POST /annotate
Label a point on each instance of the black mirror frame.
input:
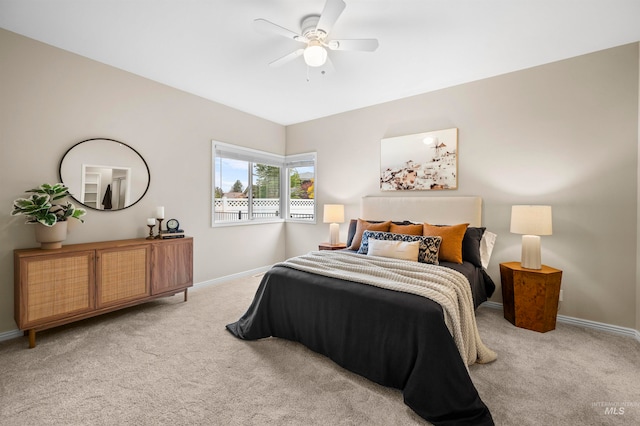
(121, 143)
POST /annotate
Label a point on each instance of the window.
(301, 174)
(253, 186)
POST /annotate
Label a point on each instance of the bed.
(383, 329)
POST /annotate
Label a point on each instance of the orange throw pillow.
(413, 229)
(362, 226)
(452, 236)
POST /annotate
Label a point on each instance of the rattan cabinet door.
(122, 275)
(172, 266)
(54, 287)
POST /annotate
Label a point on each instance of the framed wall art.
(420, 162)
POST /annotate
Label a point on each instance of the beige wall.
(564, 134)
(52, 99)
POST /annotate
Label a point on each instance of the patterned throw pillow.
(429, 246)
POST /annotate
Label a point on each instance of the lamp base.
(531, 258)
(334, 233)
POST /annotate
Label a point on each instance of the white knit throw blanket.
(443, 285)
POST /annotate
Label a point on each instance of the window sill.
(245, 223)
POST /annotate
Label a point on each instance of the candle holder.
(151, 237)
(159, 226)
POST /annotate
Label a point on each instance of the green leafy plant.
(41, 206)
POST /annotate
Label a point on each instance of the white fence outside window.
(237, 209)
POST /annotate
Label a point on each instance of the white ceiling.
(209, 48)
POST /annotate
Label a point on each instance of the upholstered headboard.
(434, 210)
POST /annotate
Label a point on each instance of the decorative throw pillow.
(410, 229)
(395, 249)
(451, 247)
(471, 245)
(353, 223)
(362, 226)
(427, 253)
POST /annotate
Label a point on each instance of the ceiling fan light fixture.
(314, 34)
(315, 55)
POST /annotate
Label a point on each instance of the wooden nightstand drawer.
(530, 296)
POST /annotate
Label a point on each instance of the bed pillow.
(471, 245)
(404, 250)
(486, 248)
(407, 229)
(362, 226)
(452, 236)
(353, 223)
(429, 246)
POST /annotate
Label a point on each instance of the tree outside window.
(248, 186)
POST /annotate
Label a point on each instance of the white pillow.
(486, 247)
(395, 249)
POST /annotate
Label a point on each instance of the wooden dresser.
(55, 287)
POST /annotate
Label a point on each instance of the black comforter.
(392, 338)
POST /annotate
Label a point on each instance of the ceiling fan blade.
(363, 45)
(287, 58)
(264, 26)
(330, 14)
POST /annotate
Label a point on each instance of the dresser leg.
(185, 294)
(32, 338)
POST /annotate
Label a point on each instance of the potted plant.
(50, 217)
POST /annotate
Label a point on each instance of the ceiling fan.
(314, 33)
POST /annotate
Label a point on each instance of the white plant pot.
(51, 237)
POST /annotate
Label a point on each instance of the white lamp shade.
(315, 55)
(333, 213)
(531, 220)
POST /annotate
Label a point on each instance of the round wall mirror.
(104, 174)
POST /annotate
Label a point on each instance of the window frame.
(254, 156)
(291, 161)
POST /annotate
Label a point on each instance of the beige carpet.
(173, 363)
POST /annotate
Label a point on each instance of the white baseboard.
(614, 329)
(12, 334)
(226, 278)
(608, 328)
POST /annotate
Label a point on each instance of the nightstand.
(327, 246)
(530, 296)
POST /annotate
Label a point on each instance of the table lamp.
(531, 222)
(333, 214)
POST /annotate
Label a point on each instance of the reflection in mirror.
(104, 174)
